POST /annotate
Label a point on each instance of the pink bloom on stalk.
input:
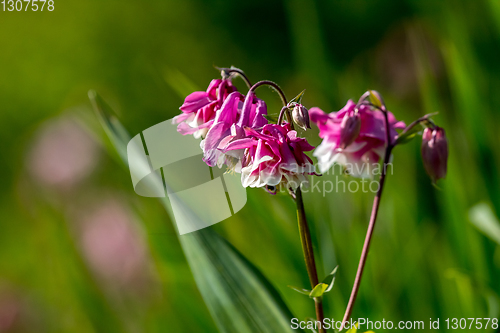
(199, 108)
(367, 148)
(273, 154)
(236, 113)
(112, 245)
(63, 154)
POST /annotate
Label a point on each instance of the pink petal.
(240, 144)
(195, 101)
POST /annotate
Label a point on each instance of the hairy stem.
(238, 72)
(282, 113)
(305, 239)
(371, 225)
(274, 86)
(285, 109)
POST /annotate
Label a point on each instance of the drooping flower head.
(368, 146)
(273, 155)
(435, 152)
(236, 113)
(200, 107)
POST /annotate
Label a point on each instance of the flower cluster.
(237, 134)
(274, 154)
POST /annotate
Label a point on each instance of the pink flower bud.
(349, 129)
(435, 152)
(300, 116)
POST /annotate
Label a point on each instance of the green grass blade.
(239, 298)
(483, 218)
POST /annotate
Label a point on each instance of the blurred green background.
(80, 252)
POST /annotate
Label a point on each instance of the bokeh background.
(80, 252)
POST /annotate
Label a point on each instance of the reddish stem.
(371, 225)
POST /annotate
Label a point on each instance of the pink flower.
(435, 152)
(366, 149)
(273, 155)
(63, 154)
(236, 113)
(199, 108)
(112, 245)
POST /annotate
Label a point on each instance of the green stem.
(305, 239)
(305, 235)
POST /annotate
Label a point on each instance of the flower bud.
(300, 116)
(349, 129)
(435, 152)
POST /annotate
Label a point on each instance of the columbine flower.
(366, 149)
(300, 116)
(435, 152)
(273, 155)
(199, 108)
(236, 113)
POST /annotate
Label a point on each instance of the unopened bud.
(300, 116)
(349, 129)
(376, 99)
(435, 152)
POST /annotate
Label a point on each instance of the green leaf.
(238, 296)
(354, 329)
(300, 290)
(330, 279)
(318, 290)
(116, 133)
(298, 99)
(272, 118)
(483, 218)
(406, 137)
(321, 288)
